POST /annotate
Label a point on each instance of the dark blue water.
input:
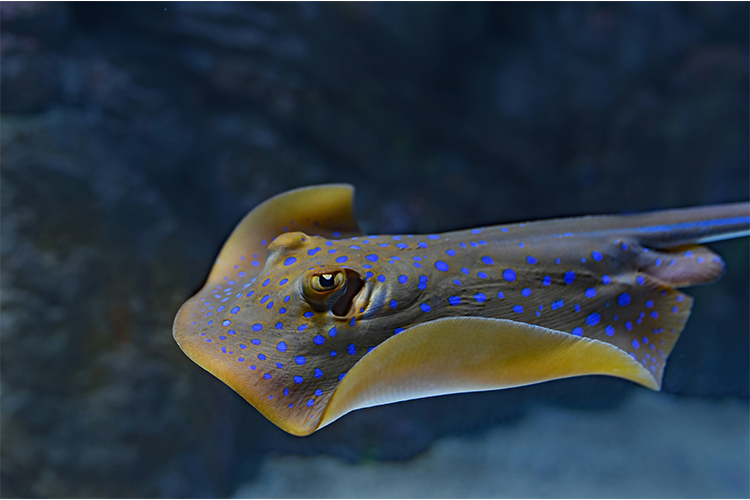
(134, 136)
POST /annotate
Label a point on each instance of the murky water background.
(134, 136)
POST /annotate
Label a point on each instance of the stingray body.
(307, 319)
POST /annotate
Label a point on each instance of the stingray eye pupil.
(326, 280)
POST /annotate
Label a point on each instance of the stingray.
(308, 319)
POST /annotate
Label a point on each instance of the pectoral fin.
(454, 355)
(325, 210)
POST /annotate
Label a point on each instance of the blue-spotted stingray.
(307, 319)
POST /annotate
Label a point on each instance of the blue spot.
(557, 304)
(521, 245)
(341, 377)
(370, 274)
(456, 282)
(286, 391)
(352, 322)
(266, 282)
(596, 255)
(450, 253)
(425, 307)
(300, 360)
(226, 322)
(628, 325)
(281, 346)
(308, 314)
(298, 379)
(509, 275)
(623, 299)
(569, 277)
(480, 297)
(282, 310)
(465, 270)
(310, 402)
(290, 260)
(231, 332)
(333, 250)
(381, 278)
(482, 275)
(577, 331)
(640, 280)
(318, 374)
(393, 304)
(257, 327)
(526, 292)
(433, 236)
(500, 295)
(403, 279)
(283, 282)
(397, 331)
(609, 330)
(590, 292)
(302, 328)
(351, 349)
(531, 260)
(636, 344)
(654, 314)
(262, 357)
(333, 353)
(606, 280)
(341, 259)
(518, 309)
(372, 257)
(546, 281)
(441, 266)
(332, 332)
(454, 300)
(319, 392)
(255, 341)
(476, 231)
(266, 376)
(488, 260)
(624, 246)
(402, 246)
(593, 319)
(319, 340)
(396, 237)
(265, 298)
(422, 244)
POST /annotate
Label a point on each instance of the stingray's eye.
(331, 288)
(323, 286)
(327, 282)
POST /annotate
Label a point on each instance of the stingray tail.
(692, 226)
(671, 239)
